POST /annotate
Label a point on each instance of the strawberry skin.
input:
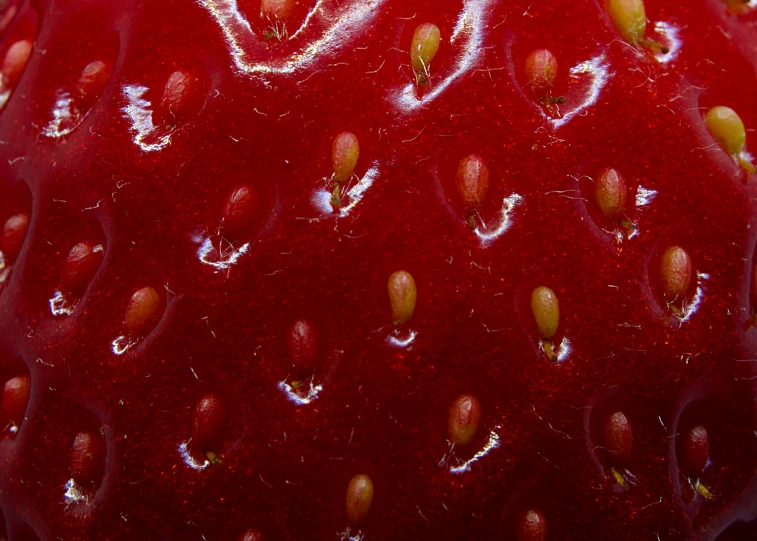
(378, 269)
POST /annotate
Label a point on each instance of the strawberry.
(375, 269)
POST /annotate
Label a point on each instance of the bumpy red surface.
(149, 182)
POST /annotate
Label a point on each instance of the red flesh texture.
(382, 409)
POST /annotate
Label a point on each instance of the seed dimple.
(87, 458)
(402, 295)
(15, 399)
(630, 18)
(541, 69)
(546, 311)
(141, 311)
(302, 344)
(344, 155)
(726, 126)
(532, 526)
(617, 438)
(464, 419)
(472, 180)
(208, 422)
(81, 265)
(675, 271)
(276, 9)
(180, 96)
(239, 211)
(92, 82)
(14, 233)
(423, 49)
(359, 498)
(695, 450)
(611, 192)
(15, 60)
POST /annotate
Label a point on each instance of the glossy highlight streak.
(485, 235)
(300, 399)
(670, 33)
(243, 42)
(223, 260)
(139, 113)
(63, 121)
(186, 457)
(491, 444)
(599, 73)
(322, 198)
(692, 307)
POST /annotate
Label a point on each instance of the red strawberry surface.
(378, 269)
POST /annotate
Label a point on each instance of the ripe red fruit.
(378, 269)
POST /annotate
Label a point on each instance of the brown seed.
(532, 526)
(541, 69)
(402, 295)
(611, 192)
(15, 60)
(345, 152)
(142, 311)
(359, 498)
(695, 450)
(464, 419)
(423, 49)
(92, 82)
(81, 265)
(472, 180)
(617, 438)
(87, 458)
(15, 399)
(546, 311)
(14, 233)
(675, 271)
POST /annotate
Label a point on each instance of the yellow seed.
(402, 295)
(359, 498)
(611, 192)
(344, 155)
(546, 311)
(675, 271)
(424, 47)
(726, 126)
(629, 18)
